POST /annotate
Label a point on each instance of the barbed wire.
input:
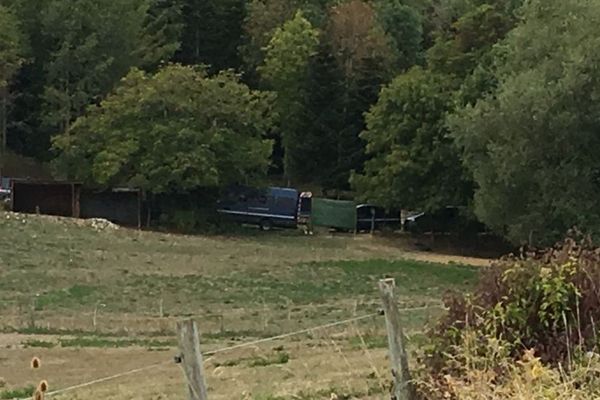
(291, 334)
(209, 353)
(230, 348)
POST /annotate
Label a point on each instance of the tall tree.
(404, 26)
(413, 162)
(365, 59)
(533, 144)
(460, 46)
(25, 134)
(79, 51)
(262, 18)
(161, 33)
(93, 46)
(11, 58)
(212, 33)
(173, 131)
(286, 69)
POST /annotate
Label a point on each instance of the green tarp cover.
(333, 213)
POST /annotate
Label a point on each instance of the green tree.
(173, 131)
(212, 33)
(11, 58)
(286, 70)
(458, 48)
(365, 61)
(93, 45)
(413, 162)
(161, 33)
(263, 17)
(404, 25)
(79, 50)
(532, 146)
(25, 134)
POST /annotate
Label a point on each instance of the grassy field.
(92, 302)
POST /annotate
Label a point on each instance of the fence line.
(105, 379)
(231, 348)
(220, 315)
(210, 353)
(290, 334)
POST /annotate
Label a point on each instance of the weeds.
(496, 376)
(371, 342)
(257, 361)
(279, 358)
(19, 393)
(100, 342)
(38, 343)
(527, 332)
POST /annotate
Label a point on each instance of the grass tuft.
(19, 393)
(38, 343)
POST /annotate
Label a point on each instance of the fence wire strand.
(225, 349)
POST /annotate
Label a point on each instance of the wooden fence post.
(191, 359)
(403, 387)
(372, 221)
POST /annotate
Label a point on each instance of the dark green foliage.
(288, 56)
(212, 33)
(12, 50)
(404, 25)
(78, 50)
(532, 145)
(414, 164)
(162, 32)
(11, 46)
(312, 159)
(458, 51)
(102, 37)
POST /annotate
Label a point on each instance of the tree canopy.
(413, 164)
(12, 51)
(11, 46)
(489, 105)
(288, 56)
(532, 144)
(175, 130)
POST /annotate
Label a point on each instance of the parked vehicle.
(267, 208)
(447, 220)
(370, 217)
(5, 191)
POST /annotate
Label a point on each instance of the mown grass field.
(95, 302)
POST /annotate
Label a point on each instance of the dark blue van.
(267, 208)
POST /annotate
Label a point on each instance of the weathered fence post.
(191, 359)
(372, 221)
(403, 387)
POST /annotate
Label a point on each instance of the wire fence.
(326, 339)
(210, 353)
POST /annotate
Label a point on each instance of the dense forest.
(416, 104)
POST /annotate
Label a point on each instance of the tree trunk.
(3, 125)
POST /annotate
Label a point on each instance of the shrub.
(496, 377)
(547, 301)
